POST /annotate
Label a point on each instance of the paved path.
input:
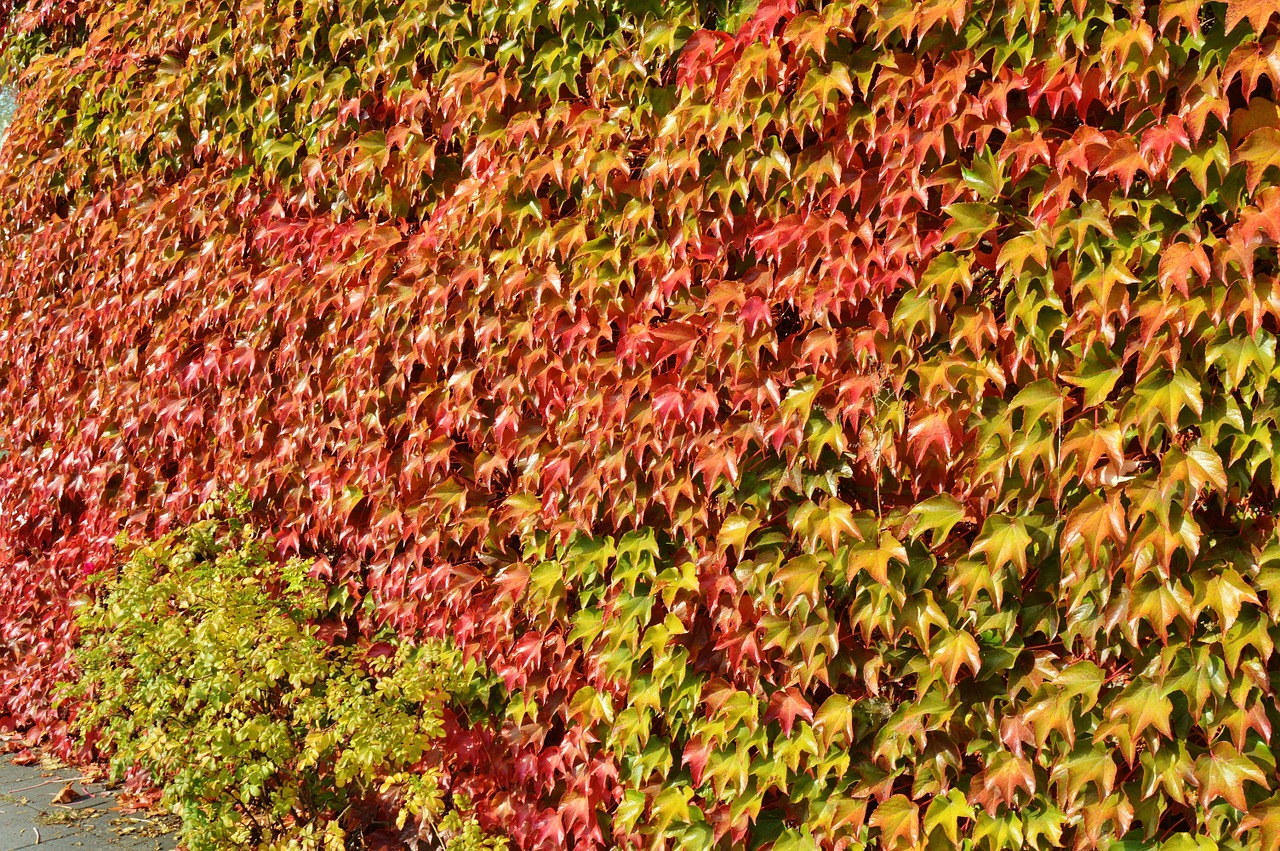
(30, 820)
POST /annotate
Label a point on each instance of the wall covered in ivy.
(839, 425)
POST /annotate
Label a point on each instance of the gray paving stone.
(30, 820)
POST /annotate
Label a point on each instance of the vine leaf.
(1256, 12)
(1223, 773)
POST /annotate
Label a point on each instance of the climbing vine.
(839, 424)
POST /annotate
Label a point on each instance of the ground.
(29, 818)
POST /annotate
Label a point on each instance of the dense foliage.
(207, 665)
(843, 424)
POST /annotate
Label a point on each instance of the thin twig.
(47, 782)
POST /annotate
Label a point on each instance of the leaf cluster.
(203, 663)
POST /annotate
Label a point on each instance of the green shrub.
(201, 662)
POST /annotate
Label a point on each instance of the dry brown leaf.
(67, 794)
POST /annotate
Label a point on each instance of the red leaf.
(784, 706)
(754, 312)
(25, 757)
(696, 753)
(1178, 261)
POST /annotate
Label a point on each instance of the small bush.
(201, 662)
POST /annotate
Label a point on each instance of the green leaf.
(938, 515)
(1237, 353)
(899, 822)
(1015, 253)
(875, 560)
(802, 578)
(1197, 466)
(832, 523)
(956, 650)
(1004, 540)
(735, 530)
(1081, 679)
(1259, 152)
(998, 832)
(986, 176)
(948, 271)
(1096, 374)
(834, 717)
(915, 310)
(671, 805)
(1224, 593)
(1163, 397)
(1039, 399)
(1143, 704)
(1093, 523)
(945, 812)
(1223, 773)
(799, 400)
(970, 221)
(1083, 766)
(1264, 818)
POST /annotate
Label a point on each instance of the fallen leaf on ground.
(25, 757)
(67, 816)
(67, 794)
(132, 802)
